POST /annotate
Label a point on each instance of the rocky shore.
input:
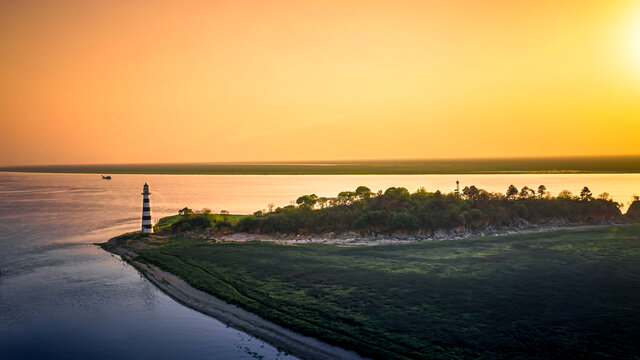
(375, 239)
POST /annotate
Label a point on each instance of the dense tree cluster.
(189, 220)
(397, 210)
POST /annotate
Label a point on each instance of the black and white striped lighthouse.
(146, 210)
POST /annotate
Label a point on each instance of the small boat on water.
(108, 177)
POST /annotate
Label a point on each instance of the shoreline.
(296, 344)
(319, 173)
(293, 343)
(617, 164)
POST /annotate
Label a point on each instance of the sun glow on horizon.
(627, 46)
(636, 39)
(140, 82)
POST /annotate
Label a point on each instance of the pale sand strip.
(298, 345)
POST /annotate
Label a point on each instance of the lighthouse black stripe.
(147, 228)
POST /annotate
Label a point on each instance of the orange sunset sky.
(189, 81)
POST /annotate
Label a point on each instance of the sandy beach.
(296, 344)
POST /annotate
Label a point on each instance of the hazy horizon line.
(326, 161)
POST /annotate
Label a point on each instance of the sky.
(228, 81)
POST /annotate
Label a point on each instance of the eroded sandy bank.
(353, 239)
(298, 345)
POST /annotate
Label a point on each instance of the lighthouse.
(146, 210)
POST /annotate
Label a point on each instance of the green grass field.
(568, 294)
(612, 164)
(170, 220)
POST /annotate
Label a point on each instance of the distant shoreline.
(564, 165)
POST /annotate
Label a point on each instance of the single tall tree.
(471, 192)
(512, 192)
(542, 190)
(346, 197)
(307, 201)
(363, 192)
(585, 194)
(525, 192)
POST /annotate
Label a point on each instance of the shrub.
(404, 221)
(192, 222)
(223, 225)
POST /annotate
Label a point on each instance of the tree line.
(398, 210)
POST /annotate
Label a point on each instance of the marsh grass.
(566, 294)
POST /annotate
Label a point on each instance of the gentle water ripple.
(62, 297)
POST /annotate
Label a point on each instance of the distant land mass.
(562, 165)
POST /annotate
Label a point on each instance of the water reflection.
(62, 297)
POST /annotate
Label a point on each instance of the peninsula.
(565, 282)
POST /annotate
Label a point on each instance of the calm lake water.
(62, 297)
